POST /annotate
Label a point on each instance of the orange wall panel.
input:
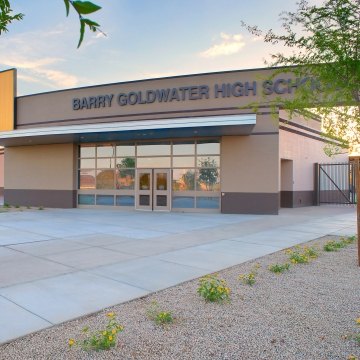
(7, 99)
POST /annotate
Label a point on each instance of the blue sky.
(145, 39)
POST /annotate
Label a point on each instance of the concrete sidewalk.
(56, 265)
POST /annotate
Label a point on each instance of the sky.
(145, 39)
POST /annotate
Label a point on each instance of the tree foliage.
(189, 180)
(208, 173)
(82, 8)
(325, 45)
(7, 16)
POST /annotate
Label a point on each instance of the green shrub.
(213, 289)
(333, 245)
(159, 316)
(357, 338)
(311, 252)
(297, 257)
(302, 255)
(279, 268)
(250, 278)
(349, 240)
(100, 339)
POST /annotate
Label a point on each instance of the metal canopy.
(132, 130)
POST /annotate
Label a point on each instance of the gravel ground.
(307, 313)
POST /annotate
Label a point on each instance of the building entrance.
(153, 190)
(168, 175)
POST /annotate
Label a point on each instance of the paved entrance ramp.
(56, 265)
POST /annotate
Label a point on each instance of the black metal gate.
(335, 183)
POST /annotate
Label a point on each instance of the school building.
(183, 143)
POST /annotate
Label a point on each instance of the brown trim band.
(140, 114)
(307, 135)
(249, 203)
(291, 123)
(47, 198)
(264, 112)
(293, 199)
(266, 133)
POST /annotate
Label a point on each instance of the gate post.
(316, 185)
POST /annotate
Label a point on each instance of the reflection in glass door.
(153, 189)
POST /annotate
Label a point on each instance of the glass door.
(144, 189)
(161, 189)
(153, 189)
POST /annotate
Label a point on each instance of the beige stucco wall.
(304, 152)
(247, 160)
(56, 108)
(41, 167)
(250, 164)
(298, 119)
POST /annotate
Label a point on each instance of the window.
(109, 172)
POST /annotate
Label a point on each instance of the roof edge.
(159, 78)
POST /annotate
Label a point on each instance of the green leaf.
(82, 32)
(67, 5)
(85, 7)
(93, 26)
(91, 23)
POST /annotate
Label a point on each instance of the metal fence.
(335, 183)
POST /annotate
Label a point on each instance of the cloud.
(257, 38)
(40, 71)
(28, 78)
(58, 78)
(152, 75)
(26, 52)
(19, 61)
(49, 78)
(91, 40)
(100, 35)
(229, 45)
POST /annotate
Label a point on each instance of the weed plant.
(333, 245)
(160, 317)
(279, 268)
(302, 255)
(250, 278)
(213, 289)
(101, 339)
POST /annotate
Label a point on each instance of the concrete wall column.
(41, 175)
(250, 171)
